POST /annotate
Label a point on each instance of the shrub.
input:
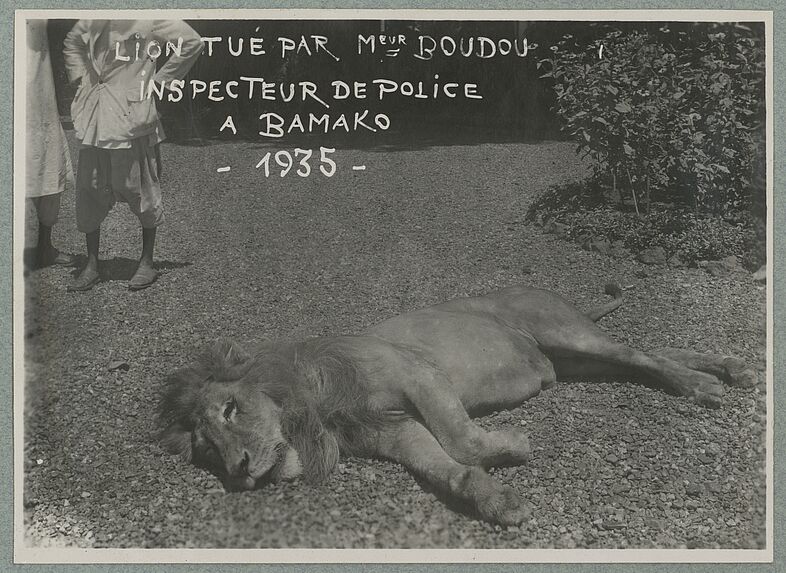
(669, 115)
(679, 231)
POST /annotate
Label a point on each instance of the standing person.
(119, 128)
(47, 161)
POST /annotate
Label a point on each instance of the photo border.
(588, 556)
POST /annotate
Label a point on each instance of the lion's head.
(276, 413)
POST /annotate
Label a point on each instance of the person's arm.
(177, 66)
(75, 51)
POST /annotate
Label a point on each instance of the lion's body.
(404, 390)
(504, 368)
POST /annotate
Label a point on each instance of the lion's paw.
(706, 390)
(504, 507)
(738, 373)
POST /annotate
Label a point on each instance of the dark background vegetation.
(673, 120)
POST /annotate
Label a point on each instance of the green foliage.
(582, 208)
(669, 115)
(559, 200)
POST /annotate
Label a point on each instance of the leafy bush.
(669, 115)
(560, 200)
(679, 231)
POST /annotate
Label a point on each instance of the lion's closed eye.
(230, 409)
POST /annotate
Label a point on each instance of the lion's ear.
(234, 354)
(176, 439)
(227, 358)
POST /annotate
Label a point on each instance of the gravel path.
(615, 465)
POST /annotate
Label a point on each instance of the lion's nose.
(245, 462)
(241, 467)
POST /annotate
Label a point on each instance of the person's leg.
(89, 275)
(46, 253)
(145, 274)
(47, 208)
(136, 173)
(94, 200)
(92, 241)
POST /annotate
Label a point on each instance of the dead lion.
(405, 389)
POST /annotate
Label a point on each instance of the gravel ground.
(614, 465)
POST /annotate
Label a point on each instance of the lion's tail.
(612, 289)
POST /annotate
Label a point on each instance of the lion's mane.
(325, 407)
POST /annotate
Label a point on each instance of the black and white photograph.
(418, 286)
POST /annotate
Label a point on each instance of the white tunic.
(48, 162)
(110, 108)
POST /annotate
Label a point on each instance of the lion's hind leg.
(409, 443)
(589, 350)
(732, 370)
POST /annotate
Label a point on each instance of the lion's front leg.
(447, 419)
(412, 445)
